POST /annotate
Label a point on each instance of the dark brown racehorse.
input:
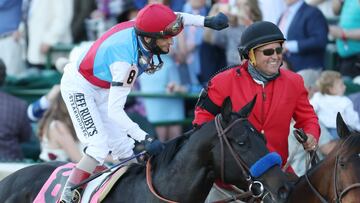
(184, 172)
(337, 177)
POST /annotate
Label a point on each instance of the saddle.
(95, 191)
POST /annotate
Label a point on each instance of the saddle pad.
(96, 190)
(51, 190)
(100, 193)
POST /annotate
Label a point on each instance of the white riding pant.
(88, 108)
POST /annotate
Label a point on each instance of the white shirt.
(327, 107)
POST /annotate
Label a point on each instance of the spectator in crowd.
(10, 39)
(325, 7)
(49, 23)
(187, 52)
(331, 100)
(305, 29)
(95, 88)
(167, 80)
(272, 9)
(15, 126)
(298, 157)
(242, 14)
(128, 11)
(281, 94)
(347, 35)
(57, 134)
(36, 109)
(82, 11)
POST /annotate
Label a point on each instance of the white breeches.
(88, 108)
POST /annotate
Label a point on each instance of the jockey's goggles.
(171, 30)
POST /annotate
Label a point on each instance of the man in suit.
(15, 126)
(305, 29)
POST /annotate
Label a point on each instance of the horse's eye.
(342, 164)
(241, 143)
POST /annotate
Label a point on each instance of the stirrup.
(71, 196)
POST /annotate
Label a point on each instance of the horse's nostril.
(283, 192)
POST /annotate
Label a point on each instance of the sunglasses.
(270, 52)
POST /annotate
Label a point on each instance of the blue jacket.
(310, 29)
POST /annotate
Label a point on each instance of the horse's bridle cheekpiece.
(256, 188)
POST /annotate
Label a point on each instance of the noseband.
(242, 165)
(338, 194)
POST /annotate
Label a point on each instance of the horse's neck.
(321, 176)
(189, 172)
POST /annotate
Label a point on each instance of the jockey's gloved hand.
(152, 145)
(218, 22)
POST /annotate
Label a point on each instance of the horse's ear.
(342, 129)
(246, 110)
(226, 109)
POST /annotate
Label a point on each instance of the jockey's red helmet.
(158, 21)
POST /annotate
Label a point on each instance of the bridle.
(253, 185)
(338, 194)
(256, 188)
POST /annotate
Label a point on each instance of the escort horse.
(337, 177)
(227, 148)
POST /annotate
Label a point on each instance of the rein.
(338, 197)
(222, 136)
(150, 185)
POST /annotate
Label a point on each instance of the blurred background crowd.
(38, 37)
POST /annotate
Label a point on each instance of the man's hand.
(152, 145)
(307, 140)
(311, 143)
(218, 22)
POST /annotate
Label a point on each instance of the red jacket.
(277, 103)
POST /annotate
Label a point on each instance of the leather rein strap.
(222, 136)
(150, 185)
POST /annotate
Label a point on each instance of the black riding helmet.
(256, 35)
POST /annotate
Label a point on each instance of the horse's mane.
(171, 148)
(165, 157)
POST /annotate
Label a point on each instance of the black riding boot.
(76, 176)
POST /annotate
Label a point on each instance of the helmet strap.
(153, 68)
(151, 45)
(252, 58)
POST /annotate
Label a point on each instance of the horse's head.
(347, 164)
(242, 156)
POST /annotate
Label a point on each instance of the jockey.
(281, 95)
(95, 87)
